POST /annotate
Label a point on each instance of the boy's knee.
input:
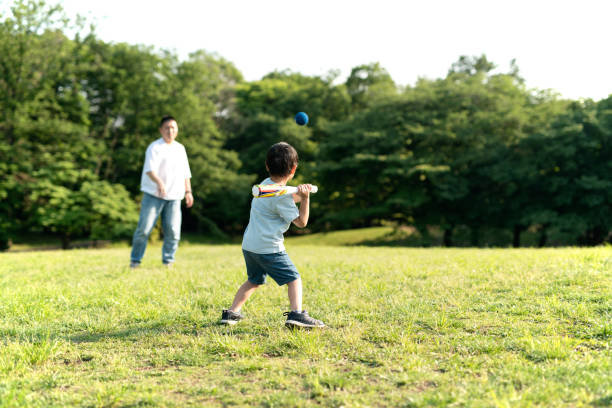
(253, 285)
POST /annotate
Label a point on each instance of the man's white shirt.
(169, 162)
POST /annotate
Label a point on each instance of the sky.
(561, 45)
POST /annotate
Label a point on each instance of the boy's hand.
(304, 190)
(303, 195)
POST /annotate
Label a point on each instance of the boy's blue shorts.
(277, 265)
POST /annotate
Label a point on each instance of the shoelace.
(303, 312)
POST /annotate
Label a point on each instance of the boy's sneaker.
(229, 317)
(299, 320)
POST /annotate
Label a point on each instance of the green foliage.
(72, 203)
(113, 213)
(128, 88)
(571, 180)
(453, 152)
(473, 151)
(202, 97)
(264, 114)
(369, 84)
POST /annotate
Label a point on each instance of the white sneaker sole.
(230, 322)
(294, 323)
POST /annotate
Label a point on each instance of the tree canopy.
(473, 151)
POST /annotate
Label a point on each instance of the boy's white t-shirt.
(169, 162)
(270, 218)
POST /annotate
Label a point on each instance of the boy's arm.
(304, 196)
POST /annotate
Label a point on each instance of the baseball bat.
(274, 190)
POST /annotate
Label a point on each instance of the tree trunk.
(5, 243)
(593, 236)
(65, 242)
(474, 235)
(448, 237)
(516, 236)
(543, 238)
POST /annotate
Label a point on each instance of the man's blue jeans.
(150, 208)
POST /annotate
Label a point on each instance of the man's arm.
(161, 188)
(304, 196)
(188, 193)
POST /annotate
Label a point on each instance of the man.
(166, 179)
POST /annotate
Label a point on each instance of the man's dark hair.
(280, 159)
(166, 118)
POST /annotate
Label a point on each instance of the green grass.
(407, 327)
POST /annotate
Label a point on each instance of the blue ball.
(301, 118)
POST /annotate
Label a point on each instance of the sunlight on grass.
(406, 327)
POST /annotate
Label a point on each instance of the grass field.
(407, 328)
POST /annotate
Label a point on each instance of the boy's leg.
(280, 268)
(242, 295)
(255, 274)
(298, 318)
(232, 315)
(150, 208)
(171, 226)
(294, 290)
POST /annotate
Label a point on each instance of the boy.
(262, 243)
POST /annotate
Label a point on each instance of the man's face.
(169, 130)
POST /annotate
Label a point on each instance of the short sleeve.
(287, 208)
(186, 170)
(150, 160)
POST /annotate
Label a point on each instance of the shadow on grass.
(134, 332)
(404, 237)
(434, 236)
(125, 333)
(603, 402)
(50, 243)
(190, 329)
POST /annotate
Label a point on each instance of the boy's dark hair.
(280, 159)
(166, 118)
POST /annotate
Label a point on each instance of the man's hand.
(161, 189)
(188, 199)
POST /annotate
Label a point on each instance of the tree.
(202, 91)
(129, 89)
(427, 157)
(570, 185)
(42, 110)
(71, 203)
(368, 84)
(264, 112)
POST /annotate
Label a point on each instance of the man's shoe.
(229, 317)
(134, 265)
(299, 320)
